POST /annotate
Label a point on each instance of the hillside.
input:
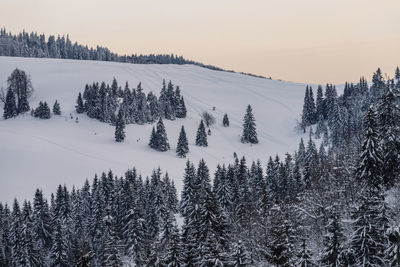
(44, 153)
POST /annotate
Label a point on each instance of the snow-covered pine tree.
(120, 127)
(239, 257)
(388, 117)
(153, 139)
(249, 128)
(280, 244)
(319, 105)
(80, 107)
(368, 240)
(201, 136)
(112, 247)
(370, 166)
(181, 108)
(174, 256)
(333, 240)
(161, 137)
(188, 196)
(225, 120)
(56, 108)
(182, 147)
(10, 106)
(305, 256)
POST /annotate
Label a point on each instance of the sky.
(310, 41)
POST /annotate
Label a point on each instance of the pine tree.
(370, 166)
(319, 112)
(333, 240)
(182, 148)
(281, 238)
(249, 128)
(305, 256)
(389, 116)
(112, 248)
(174, 257)
(10, 107)
(56, 108)
(371, 222)
(161, 137)
(80, 107)
(189, 195)
(201, 136)
(181, 109)
(153, 139)
(120, 127)
(225, 120)
(240, 257)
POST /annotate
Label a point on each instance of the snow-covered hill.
(44, 153)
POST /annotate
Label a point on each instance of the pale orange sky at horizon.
(310, 41)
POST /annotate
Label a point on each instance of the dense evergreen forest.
(38, 45)
(333, 202)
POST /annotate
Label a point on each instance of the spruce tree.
(174, 256)
(182, 148)
(305, 256)
(120, 127)
(368, 240)
(249, 128)
(333, 240)
(56, 108)
(153, 139)
(80, 107)
(225, 120)
(10, 107)
(161, 137)
(201, 136)
(370, 166)
(281, 237)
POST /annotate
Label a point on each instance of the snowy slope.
(44, 153)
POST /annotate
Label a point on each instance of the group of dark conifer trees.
(105, 103)
(33, 45)
(19, 89)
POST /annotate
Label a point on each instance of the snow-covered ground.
(44, 153)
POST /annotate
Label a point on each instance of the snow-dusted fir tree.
(388, 117)
(120, 127)
(161, 137)
(201, 136)
(181, 108)
(225, 120)
(56, 108)
(304, 257)
(80, 107)
(280, 244)
(249, 128)
(153, 139)
(333, 240)
(10, 106)
(182, 147)
(239, 257)
(370, 166)
(369, 240)
(174, 256)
